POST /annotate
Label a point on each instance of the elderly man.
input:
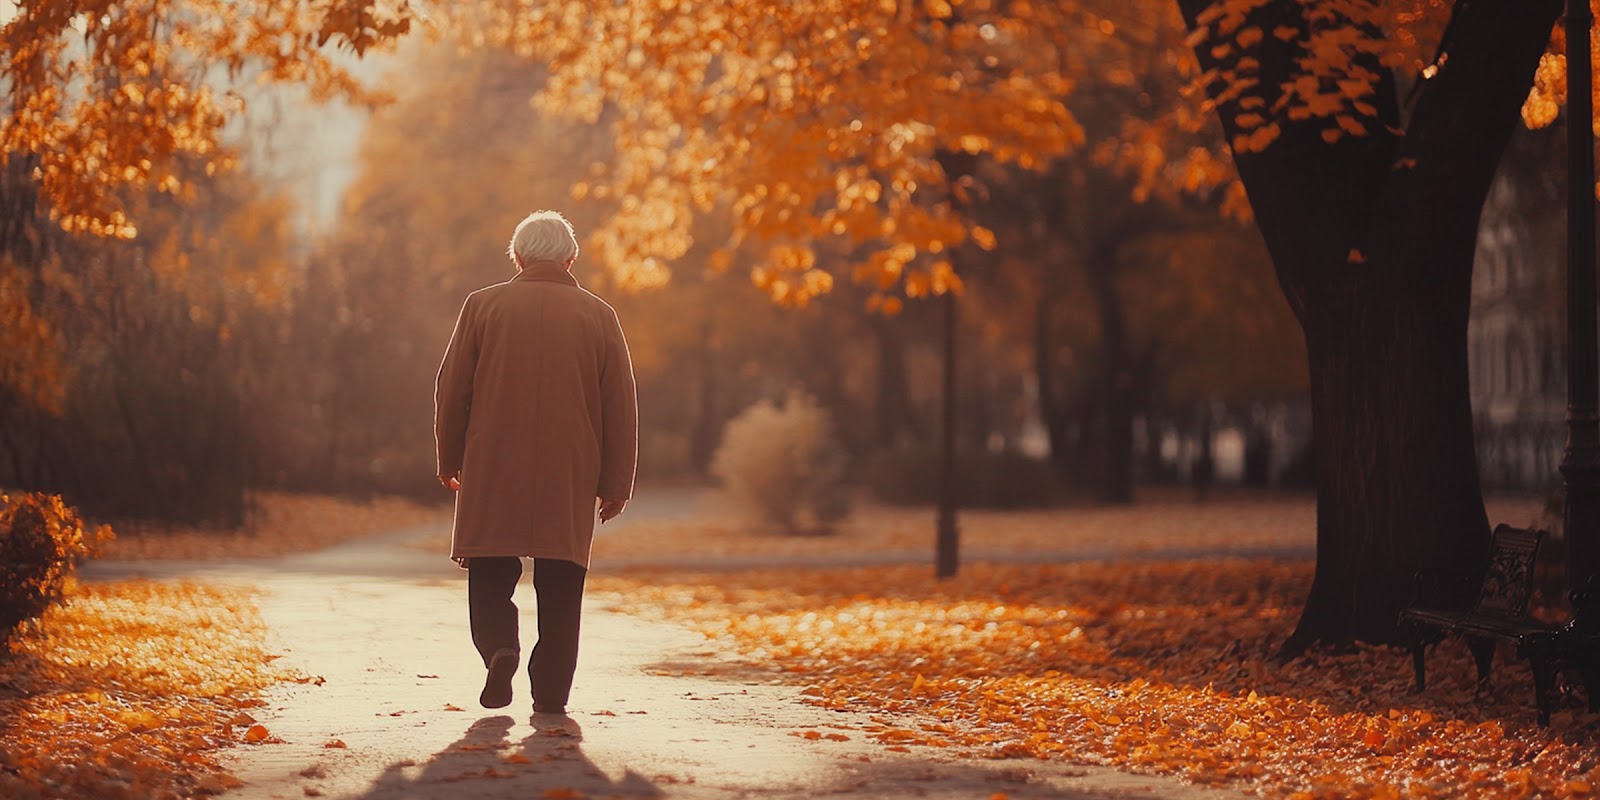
(537, 426)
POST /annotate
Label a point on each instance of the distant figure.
(537, 426)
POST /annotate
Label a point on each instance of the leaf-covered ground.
(280, 523)
(1163, 520)
(1156, 666)
(128, 691)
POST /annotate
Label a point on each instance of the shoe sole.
(497, 686)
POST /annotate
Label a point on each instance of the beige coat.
(535, 405)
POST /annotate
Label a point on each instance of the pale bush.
(783, 462)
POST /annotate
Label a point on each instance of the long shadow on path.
(484, 762)
(380, 629)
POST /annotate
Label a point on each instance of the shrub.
(983, 479)
(42, 541)
(784, 462)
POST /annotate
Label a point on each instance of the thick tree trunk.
(1397, 486)
(1372, 239)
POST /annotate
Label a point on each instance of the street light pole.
(948, 547)
(1580, 461)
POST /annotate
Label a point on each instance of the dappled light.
(1191, 343)
(1156, 666)
(130, 690)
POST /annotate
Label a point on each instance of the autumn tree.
(815, 126)
(1367, 187)
(443, 174)
(818, 120)
(151, 419)
(825, 133)
(113, 152)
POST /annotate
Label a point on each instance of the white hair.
(543, 236)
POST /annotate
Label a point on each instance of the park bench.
(1488, 607)
(1576, 644)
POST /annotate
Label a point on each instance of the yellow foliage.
(1549, 91)
(129, 691)
(110, 94)
(818, 123)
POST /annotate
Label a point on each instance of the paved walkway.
(392, 712)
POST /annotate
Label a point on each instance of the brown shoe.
(497, 684)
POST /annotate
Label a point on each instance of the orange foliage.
(1162, 667)
(104, 94)
(818, 125)
(128, 692)
(31, 358)
(280, 523)
(42, 541)
(1334, 91)
(1335, 87)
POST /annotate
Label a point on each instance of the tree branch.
(1310, 198)
(1462, 121)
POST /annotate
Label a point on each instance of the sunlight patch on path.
(395, 716)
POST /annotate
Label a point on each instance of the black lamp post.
(947, 549)
(1580, 461)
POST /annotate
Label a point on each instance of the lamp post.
(959, 168)
(1580, 461)
(947, 549)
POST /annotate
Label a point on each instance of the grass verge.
(282, 523)
(129, 690)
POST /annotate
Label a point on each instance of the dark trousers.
(558, 593)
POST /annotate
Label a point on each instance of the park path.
(389, 709)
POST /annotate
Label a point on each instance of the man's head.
(543, 236)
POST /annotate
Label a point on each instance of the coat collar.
(548, 271)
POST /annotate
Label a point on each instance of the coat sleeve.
(619, 417)
(452, 391)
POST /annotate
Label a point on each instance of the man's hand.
(451, 480)
(610, 508)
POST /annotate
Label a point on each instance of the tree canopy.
(109, 95)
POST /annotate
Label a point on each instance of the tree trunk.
(1052, 408)
(1372, 238)
(1114, 473)
(707, 429)
(1388, 373)
(894, 411)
